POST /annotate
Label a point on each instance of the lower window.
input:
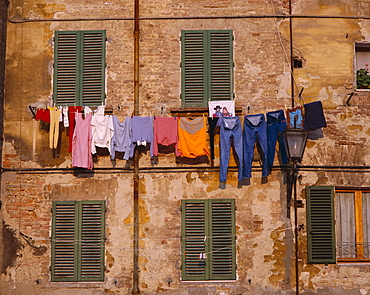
(352, 224)
(78, 241)
(208, 240)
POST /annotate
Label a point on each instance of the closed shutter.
(223, 240)
(64, 250)
(193, 242)
(66, 68)
(193, 68)
(78, 241)
(79, 68)
(321, 224)
(221, 65)
(92, 240)
(207, 67)
(208, 240)
(93, 66)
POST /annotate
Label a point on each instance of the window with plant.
(363, 77)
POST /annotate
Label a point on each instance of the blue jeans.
(230, 128)
(276, 125)
(254, 131)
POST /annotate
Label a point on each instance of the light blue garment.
(230, 129)
(122, 138)
(142, 131)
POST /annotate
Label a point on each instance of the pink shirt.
(165, 133)
(81, 142)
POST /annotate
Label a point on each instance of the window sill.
(199, 110)
(210, 282)
(357, 261)
(363, 89)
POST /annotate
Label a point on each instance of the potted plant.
(363, 78)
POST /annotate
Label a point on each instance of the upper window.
(362, 65)
(79, 68)
(346, 239)
(207, 67)
(78, 241)
(208, 240)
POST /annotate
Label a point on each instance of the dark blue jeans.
(230, 129)
(276, 125)
(254, 131)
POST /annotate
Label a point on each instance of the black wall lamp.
(295, 140)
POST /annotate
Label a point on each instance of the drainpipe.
(135, 288)
(294, 164)
(291, 53)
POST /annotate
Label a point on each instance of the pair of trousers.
(230, 130)
(254, 131)
(276, 125)
(54, 128)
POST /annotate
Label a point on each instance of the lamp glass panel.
(295, 141)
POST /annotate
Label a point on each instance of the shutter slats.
(79, 68)
(78, 241)
(206, 66)
(208, 226)
(91, 241)
(63, 241)
(194, 243)
(93, 69)
(221, 65)
(193, 68)
(222, 241)
(320, 223)
(65, 68)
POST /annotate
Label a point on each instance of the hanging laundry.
(230, 131)
(72, 113)
(122, 138)
(101, 130)
(43, 115)
(276, 125)
(65, 117)
(81, 143)
(224, 108)
(165, 133)
(314, 116)
(212, 123)
(192, 137)
(254, 131)
(142, 131)
(54, 127)
(295, 117)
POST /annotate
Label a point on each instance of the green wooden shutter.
(207, 67)
(208, 226)
(194, 216)
(320, 224)
(66, 68)
(79, 68)
(221, 65)
(193, 68)
(92, 241)
(78, 241)
(63, 266)
(93, 68)
(223, 239)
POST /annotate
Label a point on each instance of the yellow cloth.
(192, 137)
(54, 128)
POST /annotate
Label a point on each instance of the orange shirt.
(192, 137)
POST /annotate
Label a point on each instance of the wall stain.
(278, 269)
(11, 246)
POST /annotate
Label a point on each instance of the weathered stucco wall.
(265, 236)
